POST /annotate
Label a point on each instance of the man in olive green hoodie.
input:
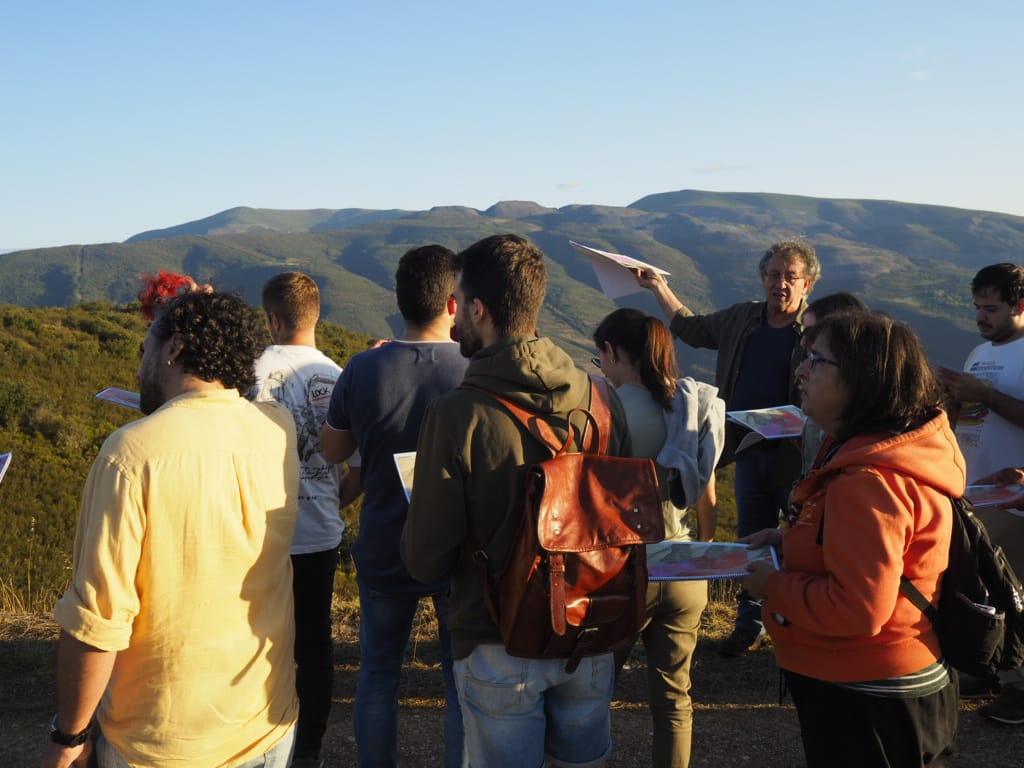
(469, 494)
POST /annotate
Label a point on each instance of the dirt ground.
(738, 720)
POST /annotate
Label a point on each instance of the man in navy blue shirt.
(377, 407)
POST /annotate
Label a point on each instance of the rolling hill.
(913, 261)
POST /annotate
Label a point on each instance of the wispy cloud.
(911, 54)
(920, 74)
(719, 168)
(570, 185)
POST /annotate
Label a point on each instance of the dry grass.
(738, 721)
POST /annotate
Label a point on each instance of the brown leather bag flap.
(590, 502)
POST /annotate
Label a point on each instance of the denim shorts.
(519, 712)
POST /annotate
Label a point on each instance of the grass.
(738, 719)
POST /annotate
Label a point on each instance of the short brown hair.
(883, 365)
(295, 298)
(507, 273)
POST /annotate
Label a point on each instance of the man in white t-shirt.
(988, 397)
(295, 373)
(987, 410)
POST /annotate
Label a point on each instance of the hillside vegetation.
(913, 261)
(54, 361)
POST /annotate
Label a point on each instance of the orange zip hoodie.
(877, 510)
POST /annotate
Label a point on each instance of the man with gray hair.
(758, 345)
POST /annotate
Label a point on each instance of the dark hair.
(424, 281)
(295, 298)
(646, 341)
(790, 249)
(221, 336)
(841, 301)
(507, 273)
(1006, 278)
(883, 365)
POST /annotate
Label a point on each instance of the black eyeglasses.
(596, 361)
(814, 358)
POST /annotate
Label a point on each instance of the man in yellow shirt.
(177, 629)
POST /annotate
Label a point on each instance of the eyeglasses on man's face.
(596, 361)
(789, 278)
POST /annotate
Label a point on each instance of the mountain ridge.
(913, 261)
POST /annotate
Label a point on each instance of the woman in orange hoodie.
(862, 663)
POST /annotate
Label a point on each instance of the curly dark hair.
(221, 333)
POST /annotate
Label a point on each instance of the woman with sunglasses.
(862, 663)
(680, 423)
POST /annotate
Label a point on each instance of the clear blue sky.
(119, 117)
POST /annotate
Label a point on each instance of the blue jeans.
(519, 712)
(760, 502)
(384, 627)
(313, 585)
(279, 756)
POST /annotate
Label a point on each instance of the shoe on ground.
(739, 642)
(1008, 708)
(975, 687)
(307, 762)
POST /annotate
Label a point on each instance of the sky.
(118, 117)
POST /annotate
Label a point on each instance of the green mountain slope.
(56, 360)
(914, 261)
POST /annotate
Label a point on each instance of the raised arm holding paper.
(758, 351)
(616, 273)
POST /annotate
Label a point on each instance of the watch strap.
(57, 736)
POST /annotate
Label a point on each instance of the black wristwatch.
(58, 736)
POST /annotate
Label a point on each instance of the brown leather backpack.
(575, 583)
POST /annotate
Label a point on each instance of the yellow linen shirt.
(181, 565)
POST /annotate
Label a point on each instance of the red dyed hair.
(163, 286)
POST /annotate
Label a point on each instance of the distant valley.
(912, 261)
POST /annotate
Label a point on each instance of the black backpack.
(981, 601)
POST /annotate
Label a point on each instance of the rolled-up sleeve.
(102, 602)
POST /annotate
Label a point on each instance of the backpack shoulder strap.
(532, 422)
(914, 595)
(601, 414)
(593, 441)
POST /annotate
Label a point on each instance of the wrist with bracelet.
(58, 736)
